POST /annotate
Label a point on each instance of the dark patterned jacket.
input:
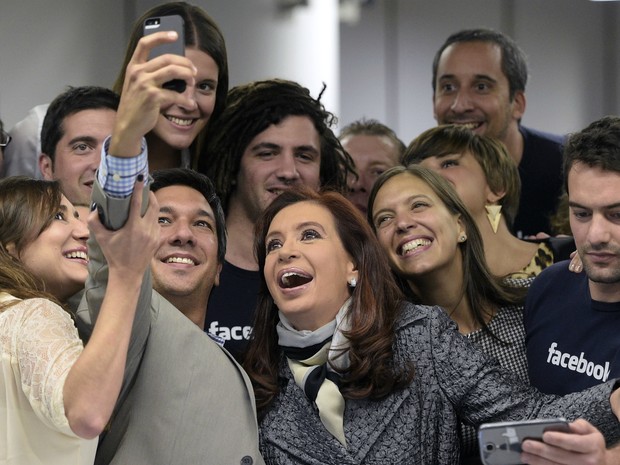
(418, 425)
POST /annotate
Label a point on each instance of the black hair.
(73, 100)
(201, 183)
(514, 64)
(596, 145)
(251, 109)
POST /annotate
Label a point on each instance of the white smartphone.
(500, 443)
(167, 23)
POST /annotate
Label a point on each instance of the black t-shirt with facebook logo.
(230, 312)
(572, 341)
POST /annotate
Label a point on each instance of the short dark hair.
(251, 109)
(514, 64)
(598, 145)
(500, 170)
(372, 127)
(73, 100)
(201, 183)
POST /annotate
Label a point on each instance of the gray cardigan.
(418, 425)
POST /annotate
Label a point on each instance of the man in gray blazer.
(184, 399)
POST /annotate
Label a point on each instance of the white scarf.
(312, 357)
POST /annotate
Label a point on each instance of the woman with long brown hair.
(436, 253)
(57, 395)
(177, 136)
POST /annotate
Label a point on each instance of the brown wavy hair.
(375, 305)
(482, 290)
(27, 207)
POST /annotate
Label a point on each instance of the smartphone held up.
(168, 23)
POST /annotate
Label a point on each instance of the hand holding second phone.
(583, 445)
(143, 96)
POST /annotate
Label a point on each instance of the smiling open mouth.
(183, 260)
(413, 245)
(470, 126)
(290, 280)
(277, 190)
(180, 121)
(77, 256)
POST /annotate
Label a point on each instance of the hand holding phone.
(168, 23)
(500, 443)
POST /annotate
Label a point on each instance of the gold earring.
(494, 214)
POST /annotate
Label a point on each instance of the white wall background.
(46, 45)
(379, 67)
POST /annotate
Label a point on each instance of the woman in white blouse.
(56, 396)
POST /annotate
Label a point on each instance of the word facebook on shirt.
(237, 333)
(579, 364)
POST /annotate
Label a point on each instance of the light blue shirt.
(117, 175)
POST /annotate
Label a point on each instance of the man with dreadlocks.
(272, 135)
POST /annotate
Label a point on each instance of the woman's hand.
(143, 96)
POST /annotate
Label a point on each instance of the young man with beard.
(572, 319)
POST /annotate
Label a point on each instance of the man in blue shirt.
(572, 320)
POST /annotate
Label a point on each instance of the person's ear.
(216, 281)
(518, 105)
(494, 197)
(11, 250)
(462, 230)
(352, 274)
(46, 166)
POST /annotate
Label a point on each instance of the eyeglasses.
(4, 138)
